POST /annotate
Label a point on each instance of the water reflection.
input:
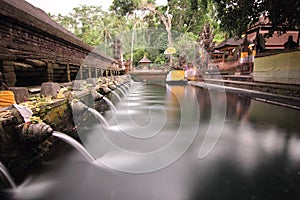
(253, 165)
(253, 158)
(256, 157)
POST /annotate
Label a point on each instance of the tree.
(236, 15)
(127, 7)
(92, 25)
(283, 15)
(190, 15)
(123, 7)
(110, 25)
(166, 18)
(84, 22)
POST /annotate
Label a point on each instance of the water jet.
(6, 174)
(75, 144)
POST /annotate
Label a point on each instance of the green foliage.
(283, 15)
(92, 25)
(236, 15)
(123, 7)
(190, 15)
(99, 28)
(149, 42)
(127, 7)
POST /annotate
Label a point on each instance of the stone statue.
(182, 60)
(117, 52)
(204, 47)
(3, 86)
(206, 38)
(290, 44)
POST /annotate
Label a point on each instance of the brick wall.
(35, 49)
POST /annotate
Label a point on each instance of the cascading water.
(123, 88)
(116, 94)
(75, 144)
(6, 174)
(123, 93)
(128, 87)
(111, 105)
(98, 116)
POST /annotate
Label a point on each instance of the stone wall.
(17, 150)
(35, 49)
(279, 68)
(149, 77)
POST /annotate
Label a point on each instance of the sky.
(65, 6)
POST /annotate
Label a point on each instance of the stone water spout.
(104, 89)
(44, 129)
(112, 86)
(35, 132)
(78, 107)
(97, 96)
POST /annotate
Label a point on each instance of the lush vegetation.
(236, 15)
(141, 27)
(147, 29)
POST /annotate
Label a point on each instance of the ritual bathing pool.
(175, 143)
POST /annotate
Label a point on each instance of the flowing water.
(111, 105)
(122, 92)
(75, 144)
(99, 116)
(117, 96)
(124, 89)
(5, 173)
(179, 143)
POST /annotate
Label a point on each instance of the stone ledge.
(283, 100)
(280, 89)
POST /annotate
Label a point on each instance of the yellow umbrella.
(170, 50)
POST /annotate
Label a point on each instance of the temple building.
(276, 41)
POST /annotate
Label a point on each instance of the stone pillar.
(50, 89)
(80, 73)
(8, 73)
(101, 72)
(68, 73)
(96, 72)
(21, 93)
(50, 67)
(89, 71)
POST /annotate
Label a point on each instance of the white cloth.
(25, 112)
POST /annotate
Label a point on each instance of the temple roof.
(145, 60)
(230, 42)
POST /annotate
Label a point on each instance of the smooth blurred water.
(257, 155)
